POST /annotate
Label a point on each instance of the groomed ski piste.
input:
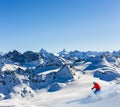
(76, 93)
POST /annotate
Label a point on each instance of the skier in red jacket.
(96, 87)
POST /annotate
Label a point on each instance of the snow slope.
(11, 67)
(73, 94)
(45, 80)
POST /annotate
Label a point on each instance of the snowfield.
(64, 80)
(75, 93)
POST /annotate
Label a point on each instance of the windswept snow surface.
(73, 94)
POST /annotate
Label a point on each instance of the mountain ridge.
(43, 69)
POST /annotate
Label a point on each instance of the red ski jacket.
(96, 86)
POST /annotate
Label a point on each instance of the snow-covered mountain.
(23, 74)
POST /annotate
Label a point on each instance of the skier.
(96, 87)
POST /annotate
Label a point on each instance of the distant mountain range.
(38, 70)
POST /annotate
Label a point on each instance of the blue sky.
(58, 24)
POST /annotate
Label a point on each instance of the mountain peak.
(43, 51)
